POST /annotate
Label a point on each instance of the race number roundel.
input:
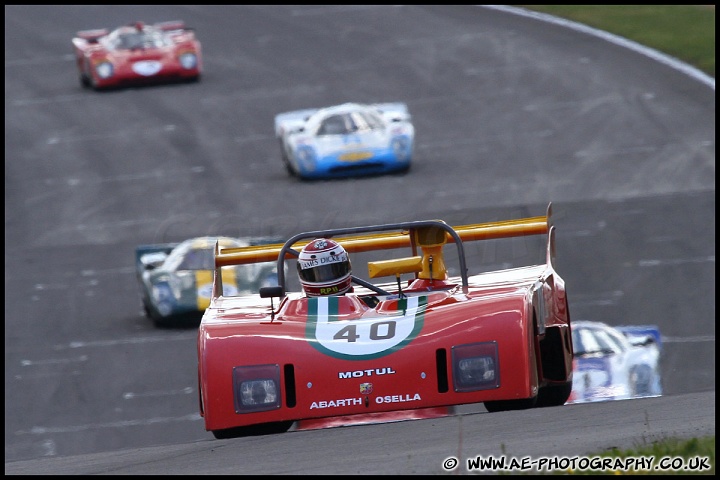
(366, 338)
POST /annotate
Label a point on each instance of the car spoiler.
(393, 112)
(640, 331)
(149, 254)
(291, 120)
(428, 235)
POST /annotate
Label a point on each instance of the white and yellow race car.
(176, 278)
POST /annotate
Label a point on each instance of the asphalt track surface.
(512, 111)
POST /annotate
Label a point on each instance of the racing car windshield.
(324, 273)
(139, 40)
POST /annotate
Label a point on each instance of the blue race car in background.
(346, 140)
(176, 278)
(615, 363)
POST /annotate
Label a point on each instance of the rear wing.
(429, 236)
(393, 112)
(152, 255)
(640, 334)
(288, 121)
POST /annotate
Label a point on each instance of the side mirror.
(269, 292)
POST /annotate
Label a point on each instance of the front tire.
(286, 161)
(84, 81)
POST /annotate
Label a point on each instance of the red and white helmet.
(324, 268)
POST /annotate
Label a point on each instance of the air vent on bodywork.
(290, 397)
(441, 368)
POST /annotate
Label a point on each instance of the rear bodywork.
(427, 343)
(346, 140)
(137, 54)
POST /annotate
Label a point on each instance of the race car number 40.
(366, 338)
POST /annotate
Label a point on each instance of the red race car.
(403, 348)
(137, 54)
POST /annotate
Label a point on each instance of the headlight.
(161, 292)
(475, 367)
(256, 388)
(306, 158)
(188, 61)
(104, 69)
(162, 298)
(401, 147)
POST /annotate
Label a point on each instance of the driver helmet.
(324, 268)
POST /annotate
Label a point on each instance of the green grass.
(686, 32)
(688, 452)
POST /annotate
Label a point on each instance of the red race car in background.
(137, 54)
(391, 350)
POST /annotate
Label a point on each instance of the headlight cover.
(104, 70)
(401, 147)
(256, 388)
(306, 158)
(188, 60)
(160, 292)
(475, 367)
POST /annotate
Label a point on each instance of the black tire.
(84, 81)
(146, 309)
(504, 405)
(641, 380)
(286, 161)
(87, 80)
(158, 321)
(554, 395)
(161, 322)
(253, 430)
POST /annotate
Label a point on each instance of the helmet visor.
(324, 273)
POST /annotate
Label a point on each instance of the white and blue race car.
(615, 363)
(346, 140)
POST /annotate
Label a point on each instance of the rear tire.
(554, 395)
(253, 430)
(503, 405)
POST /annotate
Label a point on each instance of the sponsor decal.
(320, 244)
(329, 290)
(398, 398)
(323, 261)
(364, 338)
(366, 388)
(355, 156)
(366, 373)
(351, 402)
(342, 402)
